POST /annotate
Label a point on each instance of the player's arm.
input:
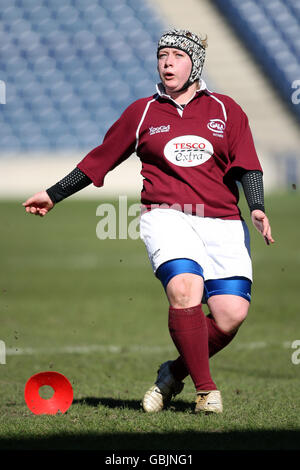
(245, 164)
(118, 144)
(41, 203)
(252, 183)
(262, 224)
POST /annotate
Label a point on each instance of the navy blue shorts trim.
(171, 268)
(236, 285)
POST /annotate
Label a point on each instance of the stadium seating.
(271, 32)
(71, 68)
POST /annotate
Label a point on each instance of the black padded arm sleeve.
(70, 184)
(252, 183)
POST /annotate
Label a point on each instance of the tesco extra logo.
(216, 125)
(188, 150)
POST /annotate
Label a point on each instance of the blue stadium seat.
(10, 13)
(294, 7)
(72, 67)
(271, 31)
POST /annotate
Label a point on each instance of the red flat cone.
(60, 401)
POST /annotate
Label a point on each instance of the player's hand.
(262, 224)
(39, 204)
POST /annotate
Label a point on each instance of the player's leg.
(228, 301)
(227, 246)
(170, 241)
(183, 283)
(188, 330)
(174, 248)
(228, 312)
(227, 249)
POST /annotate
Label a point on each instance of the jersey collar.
(162, 92)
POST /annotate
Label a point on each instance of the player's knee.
(229, 311)
(236, 315)
(185, 290)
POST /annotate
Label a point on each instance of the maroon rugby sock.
(217, 340)
(188, 330)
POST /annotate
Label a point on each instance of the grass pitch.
(92, 310)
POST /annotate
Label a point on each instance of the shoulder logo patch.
(158, 130)
(217, 126)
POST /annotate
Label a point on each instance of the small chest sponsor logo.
(158, 130)
(188, 150)
(217, 126)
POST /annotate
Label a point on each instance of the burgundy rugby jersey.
(186, 153)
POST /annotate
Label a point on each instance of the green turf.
(61, 287)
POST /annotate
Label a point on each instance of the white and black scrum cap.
(188, 42)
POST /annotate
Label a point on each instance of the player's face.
(174, 68)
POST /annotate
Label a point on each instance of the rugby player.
(194, 145)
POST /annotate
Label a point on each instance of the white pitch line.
(252, 345)
(111, 349)
(117, 349)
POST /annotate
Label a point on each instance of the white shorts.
(220, 247)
